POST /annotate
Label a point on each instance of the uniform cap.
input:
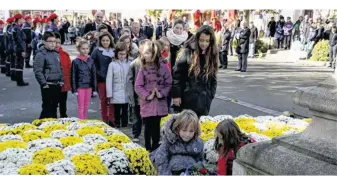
(52, 16)
(28, 17)
(18, 16)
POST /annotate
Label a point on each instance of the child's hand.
(151, 96)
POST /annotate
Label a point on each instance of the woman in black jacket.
(194, 75)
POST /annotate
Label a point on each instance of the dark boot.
(224, 67)
(19, 79)
(3, 70)
(13, 77)
(28, 65)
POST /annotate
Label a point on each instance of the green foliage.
(321, 51)
(261, 46)
(154, 13)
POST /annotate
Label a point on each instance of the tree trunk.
(246, 14)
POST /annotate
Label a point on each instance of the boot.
(28, 66)
(19, 79)
(3, 70)
(8, 71)
(13, 77)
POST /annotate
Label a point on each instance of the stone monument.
(312, 152)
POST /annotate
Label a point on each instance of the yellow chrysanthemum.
(33, 135)
(38, 122)
(8, 132)
(247, 124)
(87, 164)
(48, 155)
(12, 144)
(118, 140)
(164, 119)
(70, 140)
(90, 130)
(33, 169)
(307, 120)
(89, 120)
(51, 128)
(22, 128)
(103, 146)
(140, 163)
(275, 129)
(207, 130)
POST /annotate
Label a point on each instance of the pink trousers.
(83, 100)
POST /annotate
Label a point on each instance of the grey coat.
(131, 79)
(174, 154)
(47, 67)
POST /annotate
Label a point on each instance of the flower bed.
(260, 128)
(69, 147)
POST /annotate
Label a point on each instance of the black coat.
(225, 38)
(92, 27)
(83, 75)
(243, 42)
(102, 64)
(195, 92)
(272, 28)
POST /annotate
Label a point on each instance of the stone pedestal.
(312, 152)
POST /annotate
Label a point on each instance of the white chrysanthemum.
(211, 156)
(20, 124)
(220, 118)
(6, 170)
(75, 126)
(61, 167)
(15, 157)
(93, 123)
(290, 132)
(80, 148)
(115, 160)
(93, 139)
(10, 137)
(258, 137)
(131, 145)
(29, 131)
(57, 134)
(109, 131)
(205, 118)
(45, 124)
(36, 145)
(67, 120)
(261, 126)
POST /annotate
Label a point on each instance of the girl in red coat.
(229, 139)
(66, 68)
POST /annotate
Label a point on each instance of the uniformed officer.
(54, 22)
(37, 35)
(27, 29)
(3, 48)
(10, 49)
(20, 49)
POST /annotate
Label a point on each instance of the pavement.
(266, 89)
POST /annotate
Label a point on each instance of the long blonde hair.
(185, 119)
(154, 49)
(211, 66)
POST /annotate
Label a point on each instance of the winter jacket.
(10, 40)
(305, 29)
(28, 32)
(174, 154)
(149, 78)
(174, 51)
(225, 162)
(288, 28)
(254, 34)
(320, 34)
(243, 42)
(333, 39)
(83, 74)
(148, 31)
(66, 68)
(102, 62)
(131, 79)
(3, 44)
(19, 39)
(134, 51)
(312, 34)
(116, 81)
(225, 37)
(52, 28)
(47, 67)
(196, 93)
(272, 28)
(279, 31)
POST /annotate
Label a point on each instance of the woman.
(194, 77)
(132, 47)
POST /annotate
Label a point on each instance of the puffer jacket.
(174, 154)
(47, 67)
(195, 92)
(116, 81)
(83, 74)
(102, 62)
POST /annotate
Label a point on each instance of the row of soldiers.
(20, 37)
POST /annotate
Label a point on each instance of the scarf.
(83, 58)
(108, 53)
(176, 39)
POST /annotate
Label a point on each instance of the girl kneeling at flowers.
(229, 139)
(181, 145)
(152, 85)
(83, 78)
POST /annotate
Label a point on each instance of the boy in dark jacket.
(48, 73)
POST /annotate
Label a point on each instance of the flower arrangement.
(88, 164)
(104, 146)
(33, 169)
(70, 140)
(93, 139)
(80, 148)
(15, 158)
(48, 155)
(140, 162)
(57, 134)
(12, 144)
(36, 145)
(115, 160)
(90, 130)
(54, 127)
(33, 135)
(110, 131)
(164, 119)
(118, 139)
(22, 127)
(61, 167)
(8, 132)
(38, 122)
(10, 137)
(207, 129)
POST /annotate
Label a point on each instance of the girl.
(152, 86)
(116, 84)
(132, 47)
(194, 77)
(181, 145)
(229, 139)
(102, 56)
(83, 78)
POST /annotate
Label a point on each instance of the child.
(133, 98)
(152, 85)
(66, 68)
(229, 139)
(83, 78)
(102, 56)
(181, 145)
(166, 53)
(116, 84)
(132, 47)
(101, 29)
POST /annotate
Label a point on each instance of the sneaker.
(136, 139)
